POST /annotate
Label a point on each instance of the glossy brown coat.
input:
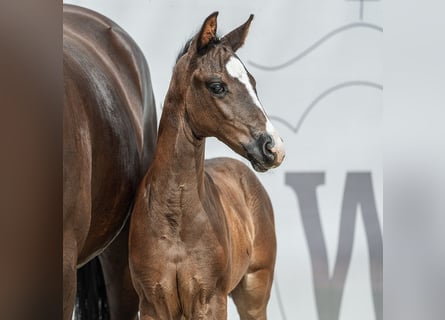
(201, 230)
(109, 137)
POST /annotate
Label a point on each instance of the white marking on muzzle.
(237, 70)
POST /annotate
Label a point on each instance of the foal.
(202, 230)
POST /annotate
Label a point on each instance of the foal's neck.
(178, 164)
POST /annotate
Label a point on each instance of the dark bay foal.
(202, 230)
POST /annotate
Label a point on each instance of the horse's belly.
(99, 237)
(111, 205)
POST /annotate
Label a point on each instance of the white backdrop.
(319, 75)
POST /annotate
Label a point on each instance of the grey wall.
(318, 66)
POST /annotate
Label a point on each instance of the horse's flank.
(109, 138)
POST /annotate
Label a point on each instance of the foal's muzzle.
(265, 152)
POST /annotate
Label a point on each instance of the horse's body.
(201, 230)
(109, 137)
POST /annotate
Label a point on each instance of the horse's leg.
(158, 298)
(213, 309)
(122, 298)
(252, 295)
(69, 276)
(218, 305)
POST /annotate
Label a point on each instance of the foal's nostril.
(267, 148)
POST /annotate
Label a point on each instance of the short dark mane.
(184, 49)
(186, 46)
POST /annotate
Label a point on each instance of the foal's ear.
(235, 39)
(207, 34)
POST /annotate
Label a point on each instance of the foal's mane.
(186, 46)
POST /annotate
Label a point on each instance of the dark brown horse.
(201, 230)
(109, 137)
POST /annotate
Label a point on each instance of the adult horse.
(201, 230)
(109, 136)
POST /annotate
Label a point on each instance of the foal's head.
(221, 99)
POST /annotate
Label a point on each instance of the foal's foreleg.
(252, 295)
(214, 307)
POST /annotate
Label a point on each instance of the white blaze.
(237, 70)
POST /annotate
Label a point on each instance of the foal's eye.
(217, 88)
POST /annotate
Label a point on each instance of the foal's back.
(249, 216)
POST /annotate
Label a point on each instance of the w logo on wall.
(358, 194)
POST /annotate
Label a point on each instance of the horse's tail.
(91, 299)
